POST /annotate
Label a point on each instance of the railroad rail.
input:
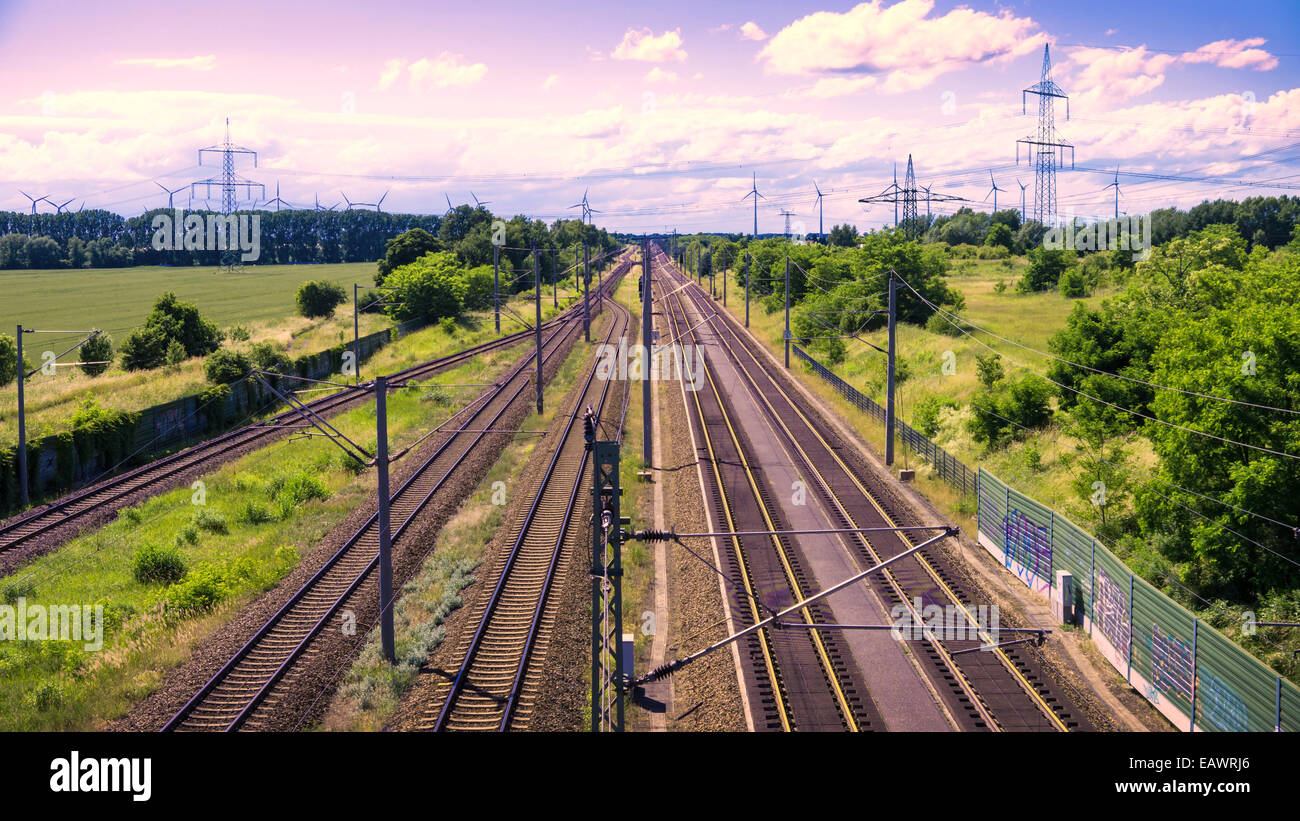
(248, 690)
(155, 474)
(802, 679)
(1005, 689)
(496, 683)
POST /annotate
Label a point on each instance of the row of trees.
(99, 239)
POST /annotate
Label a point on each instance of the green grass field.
(119, 299)
(50, 401)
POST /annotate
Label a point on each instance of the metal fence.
(1198, 678)
(945, 465)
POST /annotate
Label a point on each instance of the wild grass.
(300, 490)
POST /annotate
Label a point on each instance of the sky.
(665, 115)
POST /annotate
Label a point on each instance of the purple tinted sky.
(664, 112)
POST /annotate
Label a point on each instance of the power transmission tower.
(908, 195)
(229, 181)
(787, 215)
(1045, 149)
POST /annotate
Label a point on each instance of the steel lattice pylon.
(229, 181)
(908, 195)
(1046, 152)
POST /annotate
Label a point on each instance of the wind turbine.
(449, 205)
(477, 202)
(34, 200)
(754, 193)
(278, 202)
(1022, 199)
(379, 205)
(584, 205)
(1115, 185)
(170, 193)
(350, 203)
(994, 191)
(58, 209)
(926, 189)
(818, 203)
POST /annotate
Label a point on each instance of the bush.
(152, 563)
(226, 366)
(320, 298)
(266, 357)
(946, 325)
(478, 288)
(211, 522)
(8, 359)
(238, 333)
(925, 416)
(254, 513)
(428, 289)
(98, 348)
(181, 321)
(175, 354)
(1074, 284)
(144, 348)
(447, 325)
(1045, 269)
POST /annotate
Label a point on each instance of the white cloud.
(549, 82)
(840, 86)
(447, 70)
(644, 45)
(204, 63)
(901, 40)
(751, 31)
(1234, 54)
(1101, 77)
(658, 75)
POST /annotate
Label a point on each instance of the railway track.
(802, 679)
(156, 474)
(496, 684)
(1001, 690)
(254, 687)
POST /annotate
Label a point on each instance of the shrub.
(130, 515)
(447, 325)
(8, 359)
(946, 325)
(199, 591)
(1074, 284)
(226, 366)
(98, 348)
(428, 289)
(189, 534)
(175, 354)
(238, 333)
(254, 513)
(320, 298)
(144, 348)
(209, 521)
(152, 563)
(1045, 269)
(925, 416)
(478, 288)
(181, 321)
(266, 357)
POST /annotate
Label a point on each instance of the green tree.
(225, 366)
(843, 236)
(181, 321)
(144, 348)
(428, 289)
(98, 348)
(404, 249)
(319, 298)
(988, 369)
(1045, 268)
(8, 359)
(1000, 234)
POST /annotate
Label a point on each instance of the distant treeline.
(102, 239)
